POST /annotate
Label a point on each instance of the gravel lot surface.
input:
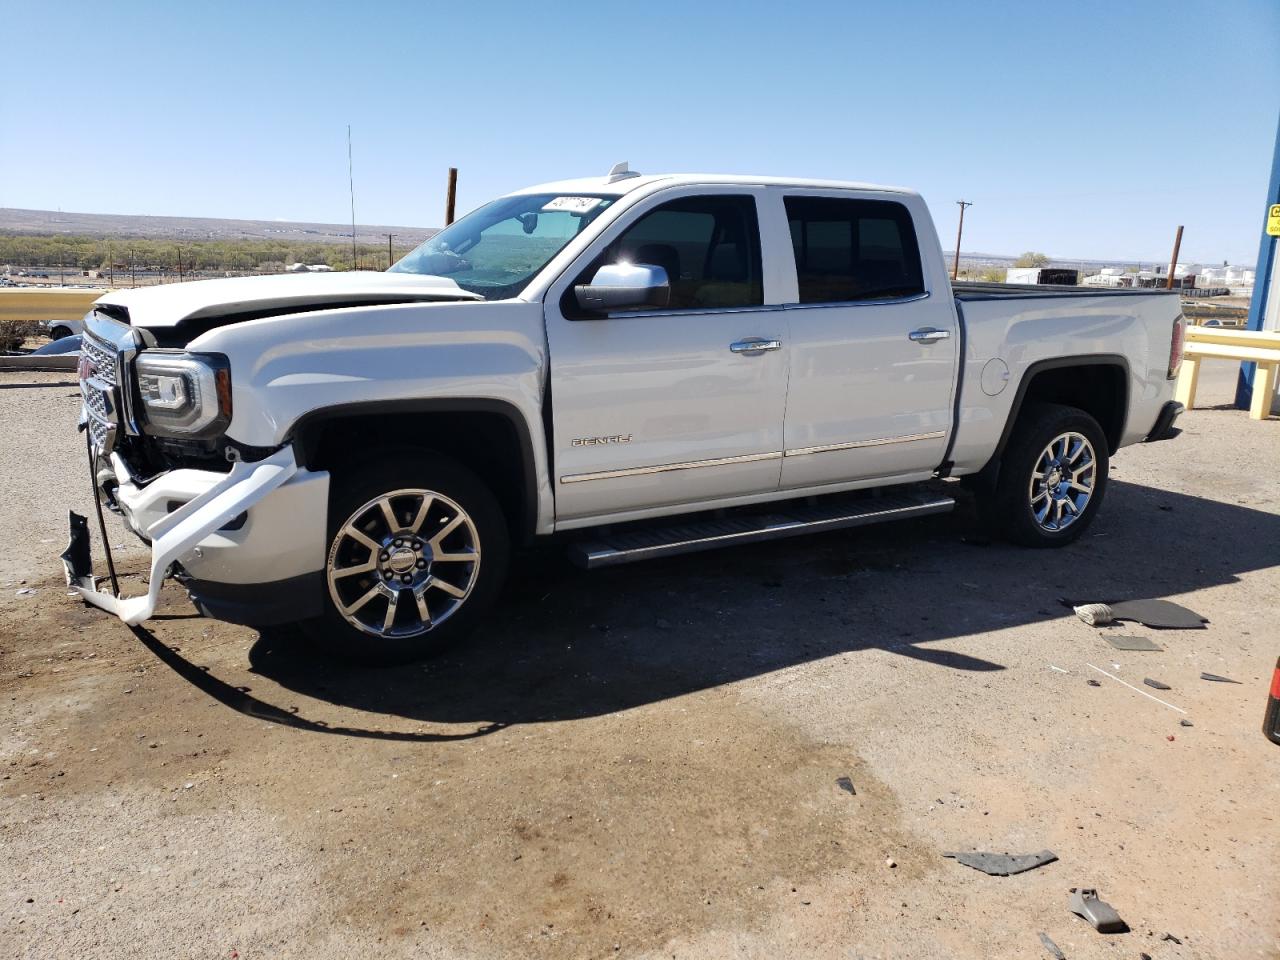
(642, 761)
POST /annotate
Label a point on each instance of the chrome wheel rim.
(403, 563)
(1062, 481)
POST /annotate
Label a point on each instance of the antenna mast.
(351, 185)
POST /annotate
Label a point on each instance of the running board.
(792, 520)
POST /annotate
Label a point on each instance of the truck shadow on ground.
(566, 644)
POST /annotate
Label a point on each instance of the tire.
(57, 333)
(361, 623)
(1053, 477)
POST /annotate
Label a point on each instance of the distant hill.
(51, 222)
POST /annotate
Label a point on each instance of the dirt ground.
(642, 761)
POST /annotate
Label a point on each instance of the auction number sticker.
(573, 204)
(1273, 220)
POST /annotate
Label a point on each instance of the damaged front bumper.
(176, 536)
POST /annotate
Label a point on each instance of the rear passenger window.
(848, 250)
(709, 247)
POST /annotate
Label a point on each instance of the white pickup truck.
(642, 365)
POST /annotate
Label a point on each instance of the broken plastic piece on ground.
(1156, 684)
(844, 783)
(1217, 679)
(1095, 614)
(1159, 614)
(1052, 947)
(1094, 683)
(1186, 723)
(1170, 936)
(1121, 642)
(1004, 864)
(1101, 915)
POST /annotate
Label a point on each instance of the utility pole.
(450, 198)
(111, 265)
(389, 260)
(1173, 264)
(179, 264)
(351, 183)
(133, 274)
(955, 266)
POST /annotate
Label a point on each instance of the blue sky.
(1081, 129)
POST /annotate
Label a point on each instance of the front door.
(873, 351)
(660, 407)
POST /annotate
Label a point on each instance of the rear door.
(873, 350)
(658, 407)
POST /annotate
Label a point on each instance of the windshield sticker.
(577, 205)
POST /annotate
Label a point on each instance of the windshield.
(496, 250)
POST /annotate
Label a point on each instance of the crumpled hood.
(169, 304)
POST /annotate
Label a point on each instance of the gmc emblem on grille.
(86, 368)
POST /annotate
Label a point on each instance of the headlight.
(184, 394)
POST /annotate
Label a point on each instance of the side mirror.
(618, 285)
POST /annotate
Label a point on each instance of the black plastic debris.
(1156, 684)
(1101, 915)
(1094, 683)
(1170, 937)
(1217, 679)
(1158, 614)
(1186, 723)
(845, 784)
(1003, 864)
(1052, 947)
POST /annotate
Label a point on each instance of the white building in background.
(308, 268)
(1109, 277)
(1238, 279)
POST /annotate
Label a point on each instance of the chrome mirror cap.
(618, 285)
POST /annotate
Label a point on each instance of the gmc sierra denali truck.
(642, 365)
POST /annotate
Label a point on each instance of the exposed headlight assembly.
(184, 394)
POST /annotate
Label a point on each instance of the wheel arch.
(487, 435)
(1096, 383)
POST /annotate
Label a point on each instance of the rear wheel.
(1053, 476)
(418, 548)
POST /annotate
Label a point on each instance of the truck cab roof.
(627, 181)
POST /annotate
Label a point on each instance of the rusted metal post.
(1173, 264)
(955, 266)
(450, 200)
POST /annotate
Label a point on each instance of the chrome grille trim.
(99, 389)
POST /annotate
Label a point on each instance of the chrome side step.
(790, 520)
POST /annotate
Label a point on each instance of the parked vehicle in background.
(641, 365)
(63, 328)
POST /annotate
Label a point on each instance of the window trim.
(781, 194)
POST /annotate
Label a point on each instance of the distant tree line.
(206, 256)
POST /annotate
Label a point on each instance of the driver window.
(709, 247)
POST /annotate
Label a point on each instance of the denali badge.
(596, 441)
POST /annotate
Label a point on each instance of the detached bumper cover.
(1164, 428)
(177, 534)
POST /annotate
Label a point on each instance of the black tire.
(57, 333)
(448, 480)
(1008, 505)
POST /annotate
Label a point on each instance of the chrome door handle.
(753, 345)
(928, 335)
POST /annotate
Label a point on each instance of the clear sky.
(1083, 129)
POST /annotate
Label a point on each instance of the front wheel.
(418, 548)
(1053, 476)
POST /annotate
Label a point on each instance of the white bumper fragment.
(177, 533)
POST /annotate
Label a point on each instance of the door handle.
(928, 335)
(753, 345)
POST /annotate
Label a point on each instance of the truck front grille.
(99, 388)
